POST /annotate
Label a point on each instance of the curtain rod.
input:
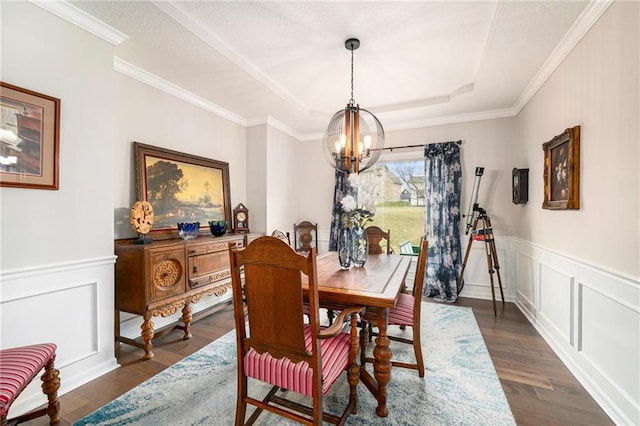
(391, 148)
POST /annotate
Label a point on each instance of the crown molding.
(589, 16)
(82, 19)
(152, 80)
(275, 123)
(580, 28)
(174, 10)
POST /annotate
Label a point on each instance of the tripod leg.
(497, 267)
(466, 254)
(487, 233)
(490, 267)
(494, 254)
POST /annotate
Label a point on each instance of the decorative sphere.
(367, 146)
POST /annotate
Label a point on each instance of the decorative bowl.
(218, 227)
(188, 231)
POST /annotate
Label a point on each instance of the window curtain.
(341, 189)
(443, 182)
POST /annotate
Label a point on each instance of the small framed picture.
(562, 171)
(29, 138)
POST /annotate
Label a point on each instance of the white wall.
(282, 181)
(256, 178)
(148, 115)
(595, 87)
(57, 246)
(577, 271)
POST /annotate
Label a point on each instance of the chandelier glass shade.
(354, 138)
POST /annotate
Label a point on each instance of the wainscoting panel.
(526, 277)
(556, 290)
(69, 304)
(591, 318)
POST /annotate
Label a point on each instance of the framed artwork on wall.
(562, 171)
(29, 138)
(181, 188)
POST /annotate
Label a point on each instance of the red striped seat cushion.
(18, 367)
(298, 377)
(402, 314)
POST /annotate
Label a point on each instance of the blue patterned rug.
(460, 386)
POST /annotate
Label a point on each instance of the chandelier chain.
(352, 101)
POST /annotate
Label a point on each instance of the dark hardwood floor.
(539, 388)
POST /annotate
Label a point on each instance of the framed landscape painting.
(29, 138)
(562, 171)
(181, 188)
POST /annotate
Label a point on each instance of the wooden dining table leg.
(382, 362)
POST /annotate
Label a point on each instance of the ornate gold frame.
(203, 181)
(562, 171)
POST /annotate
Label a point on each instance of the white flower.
(348, 203)
(354, 180)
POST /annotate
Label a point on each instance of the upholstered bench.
(18, 367)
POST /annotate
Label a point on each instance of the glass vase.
(344, 247)
(360, 246)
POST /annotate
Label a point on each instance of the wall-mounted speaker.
(520, 185)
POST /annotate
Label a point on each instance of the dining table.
(376, 286)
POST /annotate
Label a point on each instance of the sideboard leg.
(186, 319)
(147, 336)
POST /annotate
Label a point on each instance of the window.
(399, 193)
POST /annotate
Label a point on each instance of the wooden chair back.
(305, 235)
(375, 234)
(273, 292)
(418, 282)
(284, 236)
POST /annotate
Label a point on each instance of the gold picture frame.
(29, 138)
(181, 188)
(562, 171)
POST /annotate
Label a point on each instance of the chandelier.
(354, 138)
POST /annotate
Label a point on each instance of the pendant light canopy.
(354, 138)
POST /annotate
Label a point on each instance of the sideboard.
(161, 277)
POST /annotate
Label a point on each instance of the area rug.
(460, 386)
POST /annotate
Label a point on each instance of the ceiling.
(420, 63)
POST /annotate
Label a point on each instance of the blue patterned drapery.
(443, 182)
(341, 189)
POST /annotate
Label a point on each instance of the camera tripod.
(484, 234)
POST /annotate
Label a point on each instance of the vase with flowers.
(359, 209)
(344, 243)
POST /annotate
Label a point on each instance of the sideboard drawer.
(208, 268)
(211, 247)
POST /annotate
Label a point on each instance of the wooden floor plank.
(540, 389)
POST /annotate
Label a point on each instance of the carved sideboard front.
(162, 277)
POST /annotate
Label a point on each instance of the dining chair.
(406, 313)
(18, 367)
(284, 236)
(406, 249)
(275, 346)
(305, 235)
(375, 234)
